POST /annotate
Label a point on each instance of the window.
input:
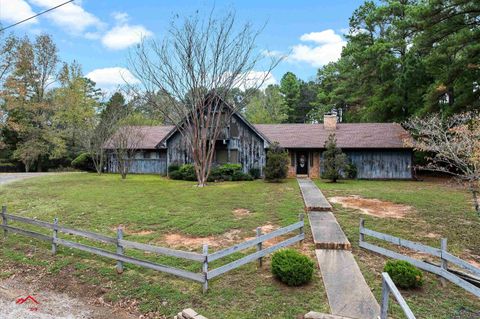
(221, 156)
(292, 159)
(234, 156)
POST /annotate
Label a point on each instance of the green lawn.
(151, 207)
(439, 210)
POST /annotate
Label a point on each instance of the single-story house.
(378, 150)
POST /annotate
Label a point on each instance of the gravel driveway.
(11, 177)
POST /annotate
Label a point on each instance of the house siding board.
(382, 164)
(141, 165)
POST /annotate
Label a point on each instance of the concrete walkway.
(347, 291)
(312, 196)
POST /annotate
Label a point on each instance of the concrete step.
(348, 293)
(327, 233)
(312, 196)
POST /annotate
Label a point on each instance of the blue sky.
(99, 34)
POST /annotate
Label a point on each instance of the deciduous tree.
(200, 62)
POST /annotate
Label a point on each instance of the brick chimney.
(330, 122)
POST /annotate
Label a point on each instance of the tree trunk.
(476, 201)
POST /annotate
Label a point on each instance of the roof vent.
(330, 121)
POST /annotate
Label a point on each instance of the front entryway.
(302, 163)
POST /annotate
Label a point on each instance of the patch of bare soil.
(49, 304)
(128, 231)
(241, 212)
(229, 238)
(373, 207)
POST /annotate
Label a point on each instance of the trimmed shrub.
(188, 172)
(176, 175)
(277, 164)
(229, 169)
(404, 274)
(291, 267)
(254, 172)
(173, 168)
(351, 171)
(241, 176)
(83, 162)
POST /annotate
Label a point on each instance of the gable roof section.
(348, 135)
(163, 142)
(152, 136)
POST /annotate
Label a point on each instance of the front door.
(302, 163)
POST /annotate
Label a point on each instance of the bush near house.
(255, 172)
(291, 267)
(334, 160)
(225, 172)
(404, 274)
(83, 162)
(277, 164)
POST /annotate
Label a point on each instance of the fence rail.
(442, 253)
(389, 287)
(205, 258)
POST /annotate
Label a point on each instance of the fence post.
(119, 249)
(55, 235)
(259, 246)
(444, 263)
(362, 225)
(302, 229)
(4, 221)
(205, 267)
(385, 295)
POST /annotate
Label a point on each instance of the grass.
(157, 206)
(439, 210)
(161, 206)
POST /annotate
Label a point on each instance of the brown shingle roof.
(348, 135)
(152, 135)
(351, 135)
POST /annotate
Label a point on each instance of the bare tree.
(125, 143)
(454, 145)
(195, 69)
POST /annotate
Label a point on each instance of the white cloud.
(327, 47)
(323, 37)
(110, 79)
(70, 17)
(14, 11)
(254, 79)
(124, 35)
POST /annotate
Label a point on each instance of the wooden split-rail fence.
(445, 257)
(388, 287)
(205, 258)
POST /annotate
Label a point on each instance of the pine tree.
(334, 160)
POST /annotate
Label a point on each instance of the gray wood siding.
(142, 165)
(238, 136)
(382, 164)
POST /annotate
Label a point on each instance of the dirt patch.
(432, 235)
(373, 207)
(241, 212)
(229, 238)
(49, 304)
(128, 231)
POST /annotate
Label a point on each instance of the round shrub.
(291, 267)
(83, 162)
(241, 176)
(404, 274)
(173, 168)
(176, 175)
(254, 172)
(351, 171)
(188, 172)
